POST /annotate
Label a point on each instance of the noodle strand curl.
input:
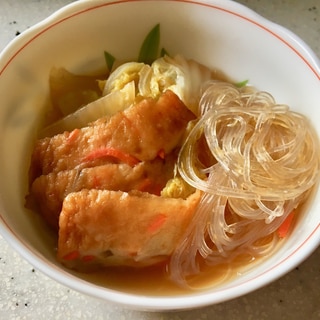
(263, 162)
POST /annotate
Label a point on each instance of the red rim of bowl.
(167, 303)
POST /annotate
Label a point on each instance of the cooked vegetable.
(105, 106)
(285, 226)
(150, 47)
(110, 59)
(181, 76)
(123, 157)
(121, 76)
(69, 92)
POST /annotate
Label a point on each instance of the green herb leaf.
(109, 60)
(241, 83)
(150, 46)
(164, 52)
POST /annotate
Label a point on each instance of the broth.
(155, 281)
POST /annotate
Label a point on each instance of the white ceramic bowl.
(218, 33)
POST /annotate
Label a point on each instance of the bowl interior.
(219, 34)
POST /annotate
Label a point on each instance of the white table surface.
(25, 293)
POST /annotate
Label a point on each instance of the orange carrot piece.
(144, 185)
(157, 222)
(88, 258)
(114, 153)
(285, 226)
(161, 154)
(71, 256)
(147, 185)
(96, 182)
(73, 135)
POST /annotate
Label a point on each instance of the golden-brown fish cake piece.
(139, 133)
(108, 228)
(48, 191)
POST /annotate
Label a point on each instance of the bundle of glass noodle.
(264, 162)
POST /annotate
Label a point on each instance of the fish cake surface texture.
(141, 132)
(118, 228)
(48, 191)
